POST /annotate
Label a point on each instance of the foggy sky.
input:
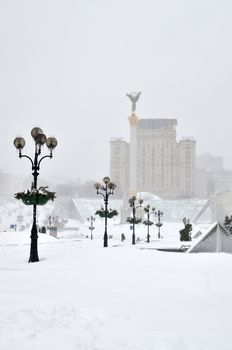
(66, 66)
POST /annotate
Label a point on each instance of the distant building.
(119, 164)
(154, 161)
(209, 162)
(164, 166)
(186, 167)
(223, 181)
(210, 175)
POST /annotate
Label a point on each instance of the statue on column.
(134, 96)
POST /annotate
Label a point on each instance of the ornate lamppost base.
(105, 244)
(34, 249)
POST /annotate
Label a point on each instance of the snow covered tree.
(185, 233)
(228, 223)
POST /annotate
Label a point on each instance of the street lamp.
(105, 190)
(158, 214)
(134, 220)
(147, 222)
(40, 139)
(91, 227)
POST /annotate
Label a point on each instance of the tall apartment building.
(186, 170)
(154, 161)
(157, 157)
(119, 164)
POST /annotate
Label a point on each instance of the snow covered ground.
(86, 297)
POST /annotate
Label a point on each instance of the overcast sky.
(66, 66)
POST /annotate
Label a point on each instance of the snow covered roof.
(216, 239)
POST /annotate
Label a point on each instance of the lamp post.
(148, 222)
(40, 139)
(134, 220)
(91, 227)
(105, 191)
(158, 214)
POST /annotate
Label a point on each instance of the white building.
(119, 164)
(154, 161)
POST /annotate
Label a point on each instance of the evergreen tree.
(228, 223)
(185, 233)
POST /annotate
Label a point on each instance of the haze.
(66, 66)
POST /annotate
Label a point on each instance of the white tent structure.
(215, 240)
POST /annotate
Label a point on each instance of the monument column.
(133, 120)
(132, 188)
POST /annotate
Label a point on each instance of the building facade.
(157, 157)
(186, 169)
(154, 161)
(119, 164)
(165, 167)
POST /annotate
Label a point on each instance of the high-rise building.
(154, 161)
(186, 169)
(119, 164)
(157, 157)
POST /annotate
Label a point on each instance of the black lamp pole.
(158, 214)
(105, 190)
(147, 211)
(132, 205)
(91, 227)
(40, 139)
